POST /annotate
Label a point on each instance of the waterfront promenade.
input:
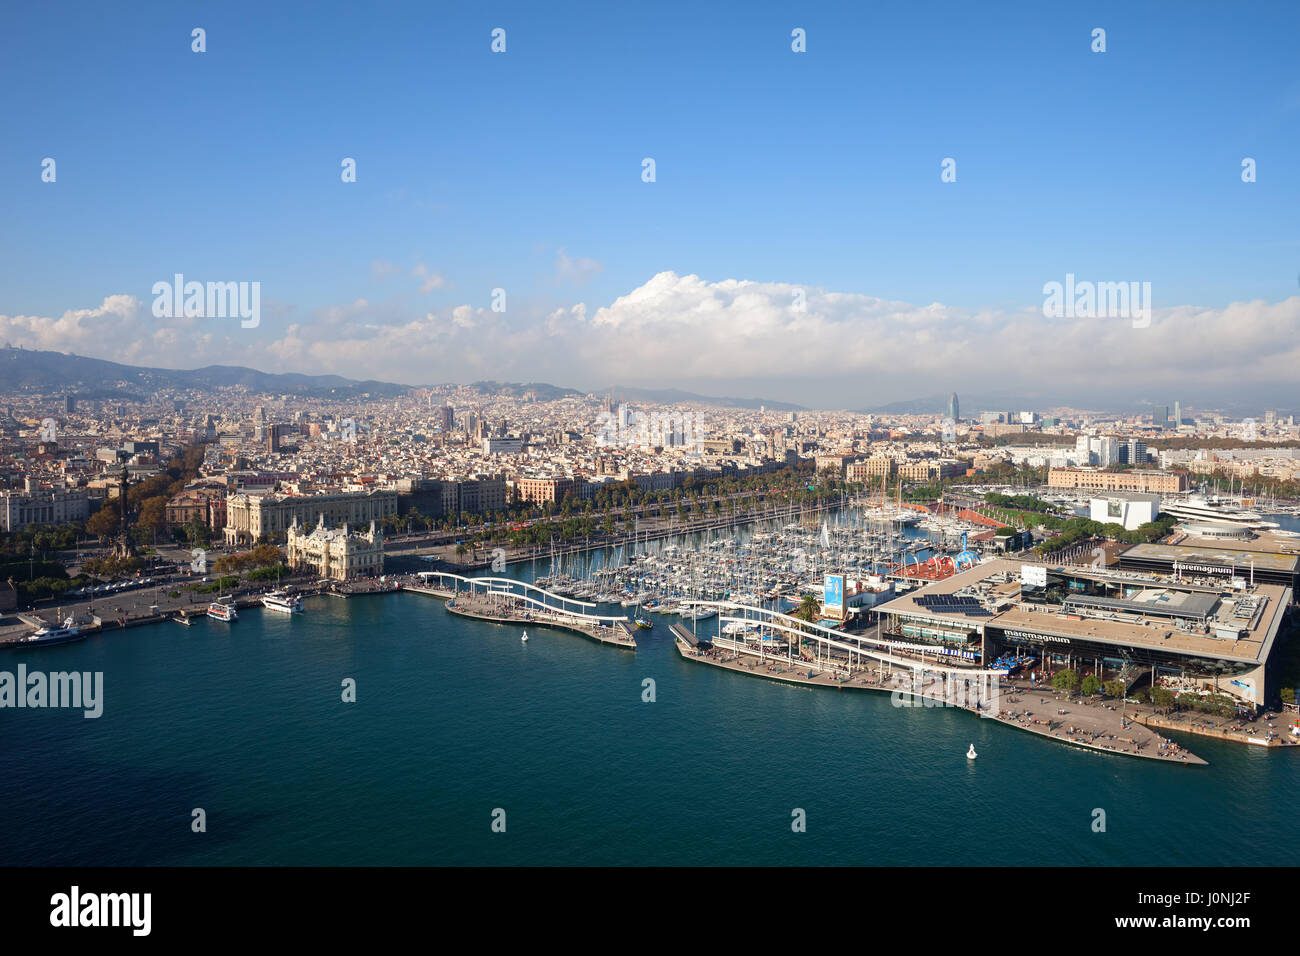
(155, 605)
(1041, 711)
(1239, 731)
(617, 633)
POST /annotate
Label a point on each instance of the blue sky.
(818, 170)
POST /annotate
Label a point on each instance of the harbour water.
(455, 718)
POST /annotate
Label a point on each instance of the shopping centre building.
(1189, 627)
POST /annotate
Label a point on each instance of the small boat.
(223, 609)
(182, 619)
(971, 754)
(525, 637)
(642, 622)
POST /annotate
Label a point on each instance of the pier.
(775, 646)
(508, 601)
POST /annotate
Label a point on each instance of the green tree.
(809, 608)
(1066, 679)
(104, 523)
(1090, 685)
(153, 513)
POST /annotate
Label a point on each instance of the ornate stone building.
(336, 553)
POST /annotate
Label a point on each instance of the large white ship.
(1211, 517)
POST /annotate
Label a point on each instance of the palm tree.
(809, 609)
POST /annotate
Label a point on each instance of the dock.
(1087, 726)
(507, 601)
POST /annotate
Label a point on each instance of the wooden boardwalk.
(505, 609)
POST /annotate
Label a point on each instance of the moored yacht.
(283, 601)
(47, 635)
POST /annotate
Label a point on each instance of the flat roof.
(1154, 632)
(1227, 553)
(1157, 601)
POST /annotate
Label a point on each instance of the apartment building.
(540, 491)
(877, 467)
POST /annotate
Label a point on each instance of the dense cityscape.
(282, 488)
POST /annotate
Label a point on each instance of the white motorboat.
(282, 601)
(48, 635)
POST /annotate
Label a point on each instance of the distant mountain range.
(668, 396)
(661, 396)
(542, 391)
(97, 378)
(92, 378)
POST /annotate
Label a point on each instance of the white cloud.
(381, 270)
(683, 331)
(577, 271)
(432, 280)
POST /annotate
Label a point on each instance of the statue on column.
(124, 547)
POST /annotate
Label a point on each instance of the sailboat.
(971, 754)
(524, 638)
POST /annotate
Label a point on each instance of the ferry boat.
(282, 601)
(223, 609)
(47, 636)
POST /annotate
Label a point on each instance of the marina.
(886, 549)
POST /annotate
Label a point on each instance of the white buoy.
(525, 637)
(971, 754)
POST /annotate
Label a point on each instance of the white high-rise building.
(1105, 450)
(1083, 450)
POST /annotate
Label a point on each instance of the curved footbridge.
(776, 646)
(507, 601)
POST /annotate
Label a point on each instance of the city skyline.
(264, 381)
